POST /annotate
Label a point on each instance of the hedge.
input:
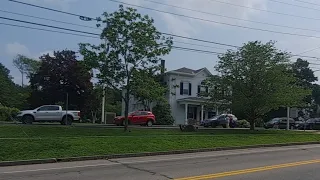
(7, 113)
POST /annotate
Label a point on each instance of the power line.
(86, 18)
(55, 27)
(97, 35)
(309, 50)
(294, 5)
(61, 32)
(47, 19)
(181, 42)
(216, 22)
(306, 2)
(229, 17)
(196, 50)
(194, 39)
(263, 10)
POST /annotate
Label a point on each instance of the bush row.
(7, 113)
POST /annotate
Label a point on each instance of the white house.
(184, 85)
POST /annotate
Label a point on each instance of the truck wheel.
(67, 120)
(27, 119)
(149, 123)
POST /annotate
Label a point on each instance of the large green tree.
(132, 43)
(58, 75)
(304, 74)
(26, 66)
(11, 94)
(255, 79)
(148, 88)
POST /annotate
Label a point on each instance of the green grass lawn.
(21, 142)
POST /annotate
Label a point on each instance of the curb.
(115, 156)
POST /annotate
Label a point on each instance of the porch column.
(201, 113)
(186, 114)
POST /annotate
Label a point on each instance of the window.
(143, 113)
(185, 88)
(53, 108)
(49, 108)
(43, 108)
(202, 88)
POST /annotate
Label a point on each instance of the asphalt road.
(280, 163)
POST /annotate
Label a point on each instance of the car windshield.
(274, 120)
(214, 117)
(132, 113)
(310, 120)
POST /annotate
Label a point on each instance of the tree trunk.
(126, 111)
(252, 124)
(22, 79)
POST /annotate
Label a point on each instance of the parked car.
(137, 118)
(280, 123)
(49, 113)
(220, 120)
(310, 124)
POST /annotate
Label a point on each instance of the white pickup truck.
(49, 113)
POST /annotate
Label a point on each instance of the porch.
(194, 109)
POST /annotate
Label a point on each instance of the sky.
(34, 43)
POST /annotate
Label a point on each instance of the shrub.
(163, 114)
(8, 114)
(243, 124)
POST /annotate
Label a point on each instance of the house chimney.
(163, 62)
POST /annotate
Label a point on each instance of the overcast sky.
(33, 43)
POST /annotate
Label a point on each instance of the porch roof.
(197, 101)
(192, 100)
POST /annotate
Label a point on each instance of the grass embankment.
(19, 142)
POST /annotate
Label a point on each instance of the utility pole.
(288, 117)
(103, 104)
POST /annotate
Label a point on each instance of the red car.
(137, 117)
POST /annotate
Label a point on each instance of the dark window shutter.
(207, 90)
(181, 88)
(199, 89)
(189, 89)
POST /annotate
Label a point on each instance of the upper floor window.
(185, 88)
(202, 88)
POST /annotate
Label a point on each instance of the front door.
(135, 118)
(42, 114)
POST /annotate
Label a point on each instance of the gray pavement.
(272, 163)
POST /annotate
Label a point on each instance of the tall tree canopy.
(132, 43)
(256, 79)
(304, 74)
(147, 87)
(11, 95)
(25, 65)
(59, 75)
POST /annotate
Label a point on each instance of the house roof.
(188, 71)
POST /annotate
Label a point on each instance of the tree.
(304, 74)
(147, 87)
(59, 75)
(26, 66)
(11, 95)
(254, 80)
(162, 111)
(132, 43)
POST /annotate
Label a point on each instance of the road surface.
(280, 163)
